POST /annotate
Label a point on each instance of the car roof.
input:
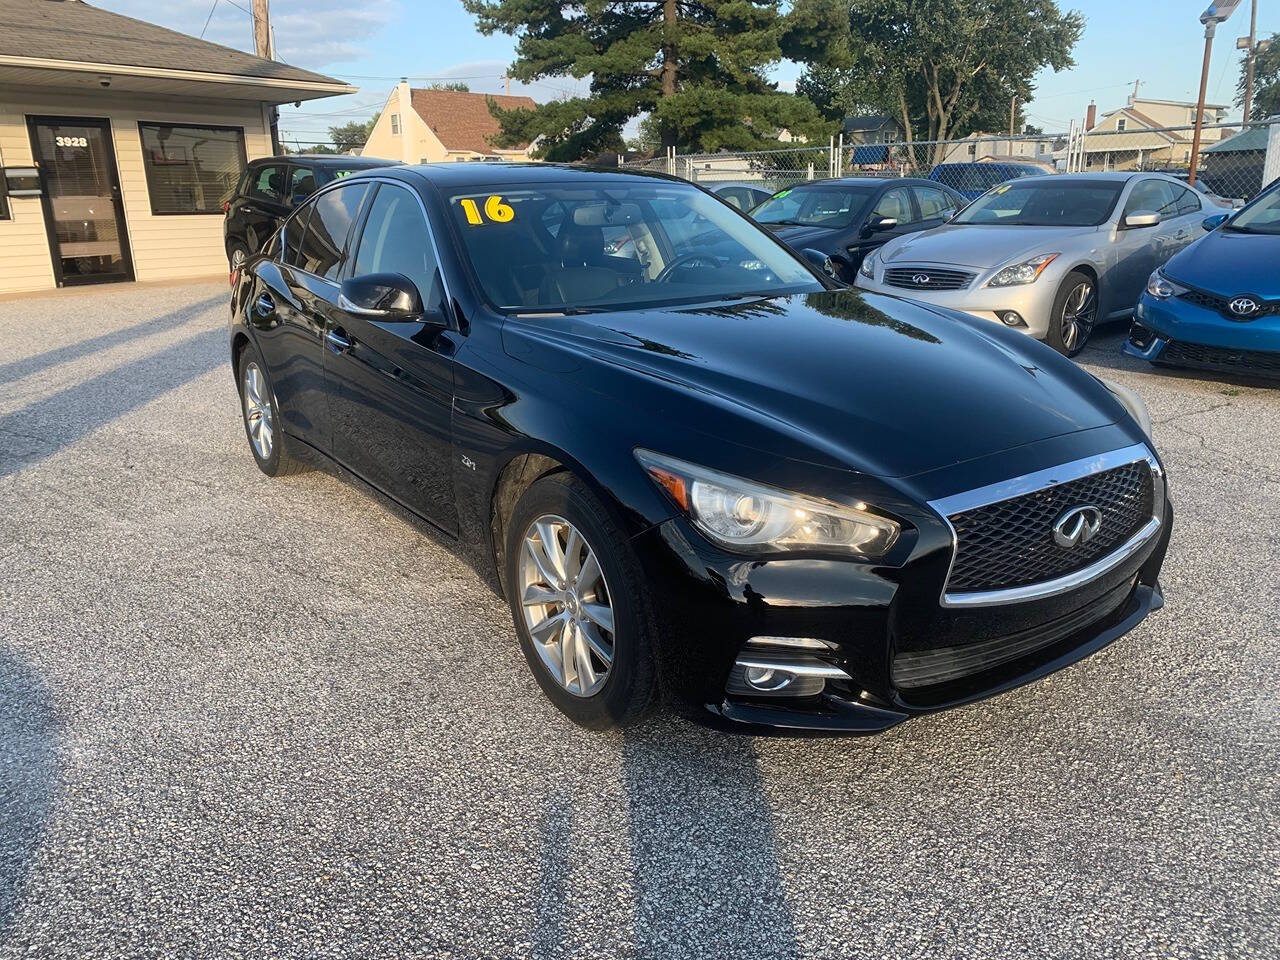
(346, 161)
(1112, 176)
(872, 181)
(464, 175)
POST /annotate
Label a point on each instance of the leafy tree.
(699, 67)
(1266, 80)
(345, 136)
(948, 68)
(455, 85)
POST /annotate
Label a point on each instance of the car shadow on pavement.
(17, 369)
(28, 778)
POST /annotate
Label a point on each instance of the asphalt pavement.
(243, 717)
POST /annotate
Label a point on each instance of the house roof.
(462, 121)
(51, 32)
(1254, 138)
(871, 121)
(1149, 125)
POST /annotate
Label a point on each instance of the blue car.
(1216, 305)
(972, 180)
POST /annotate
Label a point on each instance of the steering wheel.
(688, 258)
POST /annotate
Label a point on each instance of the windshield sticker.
(779, 196)
(1003, 188)
(495, 211)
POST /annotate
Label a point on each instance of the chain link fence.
(1233, 164)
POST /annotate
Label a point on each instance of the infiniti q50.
(700, 471)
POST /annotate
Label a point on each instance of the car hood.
(980, 247)
(856, 381)
(799, 237)
(1230, 264)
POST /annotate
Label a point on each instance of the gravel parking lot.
(251, 718)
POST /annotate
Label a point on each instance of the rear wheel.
(581, 607)
(1075, 312)
(271, 449)
(237, 254)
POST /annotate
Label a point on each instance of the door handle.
(336, 341)
(265, 306)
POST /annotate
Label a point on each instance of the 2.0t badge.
(1077, 526)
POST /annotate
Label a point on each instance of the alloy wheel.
(257, 411)
(567, 605)
(1078, 314)
(238, 258)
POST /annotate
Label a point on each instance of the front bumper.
(1181, 333)
(872, 617)
(1032, 301)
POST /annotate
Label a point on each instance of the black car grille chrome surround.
(927, 278)
(1185, 354)
(1211, 301)
(1004, 549)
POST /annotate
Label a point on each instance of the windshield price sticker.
(495, 211)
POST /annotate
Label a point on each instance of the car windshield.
(616, 245)
(1262, 216)
(814, 206)
(1035, 203)
(980, 176)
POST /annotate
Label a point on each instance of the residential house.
(1148, 134)
(996, 148)
(434, 126)
(873, 128)
(120, 141)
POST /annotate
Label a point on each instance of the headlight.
(1130, 400)
(1161, 287)
(1025, 272)
(868, 266)
(752, 517)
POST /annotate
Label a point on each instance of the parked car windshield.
(814, 206)
(1035, 203)
(616, 245)
(1263, 216)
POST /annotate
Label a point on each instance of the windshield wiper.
(784, 223)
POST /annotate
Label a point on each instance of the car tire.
(271, 449)
(237, 254)
(1073, 319)
(544, 586)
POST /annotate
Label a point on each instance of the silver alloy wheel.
(257, 411)
(238, 258)
(1078, 313)
(567, 606)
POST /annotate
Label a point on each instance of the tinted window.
(933, 203)
(295, 228)
(324, 243)
(828, 206)
(895, 203)
(1154, 195)
(302, 183)
(395, 240)
(268, 183)
(1039, 202)
(1188, 202)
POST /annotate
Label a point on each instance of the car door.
(266, 204)
(390, 384)
(1139, 250)
(896, 203)
(936, 207)
(1189, 212)
(302, 184)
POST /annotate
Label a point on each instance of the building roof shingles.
(462, 121)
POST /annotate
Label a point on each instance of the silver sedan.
(1050, 256)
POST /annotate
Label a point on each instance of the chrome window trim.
(1040, 480)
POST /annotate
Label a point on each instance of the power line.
(208, 18)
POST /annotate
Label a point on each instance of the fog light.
(1140, 336)
(1011, 318)
(766, 678)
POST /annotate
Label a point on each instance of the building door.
(83, 208)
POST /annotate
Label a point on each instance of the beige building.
(1146, 134)
(438, 126)
(119, 142)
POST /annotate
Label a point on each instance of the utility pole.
(262, 46)
(1253, 49)
(1136, 85)
(1217, 13)
(1013, 114)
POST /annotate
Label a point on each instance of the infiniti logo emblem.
(1077, 526)
(1243, 306)
(920, 279)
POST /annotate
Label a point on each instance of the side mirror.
(820, 261)
(391, 297)
(877, 224)
(1214, 222)
(1139, 219)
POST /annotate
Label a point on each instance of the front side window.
(896, 204)
(191, 169)
(1031, 202)
(395, 240)
(833, 206)
(323, 247)
(934, 204)
(302, 184)
(616, 245)
(1151, 195)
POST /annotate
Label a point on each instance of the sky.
(372, 43)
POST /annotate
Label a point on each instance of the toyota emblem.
(1243, 306)
(1077, 526)
(920, 279)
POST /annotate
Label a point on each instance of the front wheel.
(581, 606)
(1074, 314)
(237, 254)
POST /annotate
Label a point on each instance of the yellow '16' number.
(494, 209)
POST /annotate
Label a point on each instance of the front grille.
(1211, 301)
(1260, 362)
(927, 278)
(1010, 543)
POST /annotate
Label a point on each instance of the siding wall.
(162, 247)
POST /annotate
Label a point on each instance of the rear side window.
(395, 240)
(323, 246)
(1188, 202)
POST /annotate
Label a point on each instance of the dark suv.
(271, 187)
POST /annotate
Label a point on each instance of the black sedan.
(708, 474)
(848, 218)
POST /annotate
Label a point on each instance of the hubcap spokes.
(567, 605)
(257, 411)
(1077, 315)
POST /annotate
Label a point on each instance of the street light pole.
(1219, 12)
(1253, 49)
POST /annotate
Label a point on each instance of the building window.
(1121, 124)
(191, 169)
(395, 124)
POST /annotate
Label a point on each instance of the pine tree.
(699, 67)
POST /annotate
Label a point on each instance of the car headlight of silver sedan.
(755, 518)
(868, 266)
(1028, 271)
(1161, 287)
